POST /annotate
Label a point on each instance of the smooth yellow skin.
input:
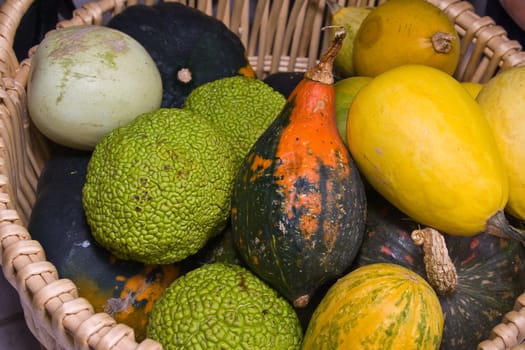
(503, 101)
(423, 142)
(377, 306)
(472, 88)
(399, 32)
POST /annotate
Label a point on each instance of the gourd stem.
(499, 226)
(323, 71)
(442, 42)
(301, 301)
(441, 272)
(184, 75)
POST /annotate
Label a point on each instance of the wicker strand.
(11, 14)
(280, 26)
(292, 34)
(69, 315)
(9, 234)
(481, 55)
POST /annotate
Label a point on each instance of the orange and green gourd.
(298, 205)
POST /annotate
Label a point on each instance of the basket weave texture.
(281, 35)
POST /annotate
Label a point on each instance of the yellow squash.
(399, 32)
(503, 101)
(422, 141)
(472, 88)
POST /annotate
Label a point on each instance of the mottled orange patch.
(120, 278)
(474, 244)
(255, 260)
(409, 259)
(386, 250)
(311, 137)
(247, 70)
(258, 166)
(136, 297)
(145, 289)
(330, 237)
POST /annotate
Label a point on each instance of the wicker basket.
(287, 37)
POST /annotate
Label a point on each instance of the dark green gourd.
(189, 47)
(489, 271)
(298, 207)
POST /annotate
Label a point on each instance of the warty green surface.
(223, 306)
(159, 188)
(242, 107)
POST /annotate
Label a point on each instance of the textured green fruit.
(240, 107)
(222, 306)
(159, 188)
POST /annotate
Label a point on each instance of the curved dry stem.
(441, 272)
(323, 71)
(498, 225)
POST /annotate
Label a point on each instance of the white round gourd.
(84, 81)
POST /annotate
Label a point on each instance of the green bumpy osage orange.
(158, 188)
(223, 306)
